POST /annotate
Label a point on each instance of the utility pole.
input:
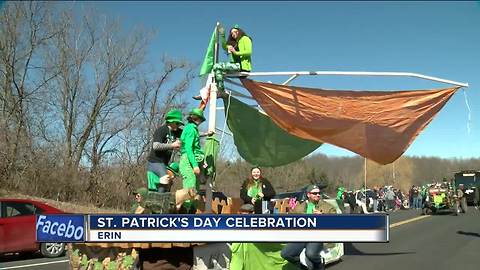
(365, 175)
(212, 115)
(393, 173)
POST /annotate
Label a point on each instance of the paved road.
(34, 262)
(442, 242)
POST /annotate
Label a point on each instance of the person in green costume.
(164, 181)
(192, 156)
(165, 143)
(340, 198)
(424, 194)
(239, 49)
(256, 189)
(314, 205)
(138, 205)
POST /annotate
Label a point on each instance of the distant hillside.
(115, 184)
(346, 171)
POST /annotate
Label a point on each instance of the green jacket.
(191, 143)
(424, 191)
(322, 206)
(135, 205)
(243, 54)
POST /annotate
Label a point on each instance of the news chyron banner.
(214, 228)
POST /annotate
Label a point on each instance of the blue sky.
(433, 38)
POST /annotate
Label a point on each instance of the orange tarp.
(378, 125)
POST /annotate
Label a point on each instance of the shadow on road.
(20, 257)
(350, 249)
(443, 213)
(469, 233)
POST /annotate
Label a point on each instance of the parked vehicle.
(471, 181)
(439, 198)
(17, 227)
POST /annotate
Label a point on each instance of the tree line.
(345, 171)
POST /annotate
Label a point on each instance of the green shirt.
(254, 190)
(244, 53)
(310, 208)
(135, 205)
(191, 143)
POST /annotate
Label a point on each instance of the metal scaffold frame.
(294, 74)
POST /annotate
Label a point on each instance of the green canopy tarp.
(260, 141)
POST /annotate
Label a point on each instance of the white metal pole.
(212, 112)
(349, 73)
(212, 115)
(212, 109)
(365, 176)
(290, 79)
(393, 164)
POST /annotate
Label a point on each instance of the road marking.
(407, 221)
(30, 265)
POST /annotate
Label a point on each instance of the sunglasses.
(315, 193)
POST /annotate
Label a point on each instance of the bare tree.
(96, 66)
(158, 96)
(22, 76)
(77, 99)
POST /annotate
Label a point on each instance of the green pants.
(220, 69)
(186, 170)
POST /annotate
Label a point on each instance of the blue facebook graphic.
(60, 228)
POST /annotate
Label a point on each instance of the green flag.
(212, 146)
(208, 61)
(260, 141)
